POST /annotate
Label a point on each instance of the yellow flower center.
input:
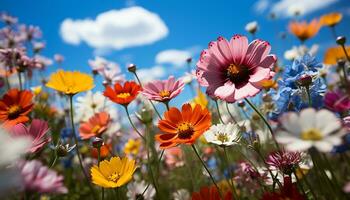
(96, 129)
(222, 137)
(114, 177)
(124, 95)
(237, 74)
(185, 130)
(14, 111)
(93, 105)
(312, 134)
(164, 93)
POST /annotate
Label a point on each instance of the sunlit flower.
(337, 101)
(123, 94)
(69, 82)
(331, 19)
(285, 161)
(15, 105)
(183, 127)
(36, 90)
(163, 90)
(304, 30)
(320, 129)
(269, 84)
(231, 70)
(41, 179)
(36, 131)
(98, 64)
(200, 99)
(132, 146)
(113, 173)
(96, 125)
(223, 134)
(136, 189)
(334, 54)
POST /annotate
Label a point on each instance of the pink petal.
(268, 61)
(246, 91)
(239, 46)
(260, 74)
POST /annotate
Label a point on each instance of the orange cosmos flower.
(183, 127)
(15, 106)
(331, 19)
(104, 151)
(96, 125)
(304, 30)
(334, 54)
(123, 94)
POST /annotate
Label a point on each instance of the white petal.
(290, 122)
(307, 119)
(299, 145)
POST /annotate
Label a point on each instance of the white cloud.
(148, 74)
(287, 8)
(173, 56)
(115, 29)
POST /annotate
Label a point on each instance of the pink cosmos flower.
(232, 70)
(36, 131)
(337, 101)
(285, 161)
(163, 90)
(39, 178)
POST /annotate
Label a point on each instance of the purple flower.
(285, 161)
(39, 178)
(337, 101)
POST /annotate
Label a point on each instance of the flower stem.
(217, 108)
(265, 121)
(308, 95)
(132, 124)
(98, 163)
(20, 80)
(230, 174)
(228, 110)
(77, 146)
(54, 160)
(206, 168)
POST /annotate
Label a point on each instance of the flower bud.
(189, 60)
(62, 151)
(97, 142)
(304, 80)
(132, 68)
(241, 104)
(341, 40)
(145, 116)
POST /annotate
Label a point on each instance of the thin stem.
(167, 105)
(299, 183)
(228, 110)
(345, 52)
(54, 161)
(230, 173)
(308, 95)
(20, 80)
(274, 178)
(217, 108)
(333, 32)
(154, 107)
(307, 182)
(132, 124)
(77, 146)
(206, 168)
(265, 121)
(98, 163)
(150, 168)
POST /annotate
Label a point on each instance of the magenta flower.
(163, 90)
(232, 70)
(337, 101)
(41, 179)
(285, 161)
(36, 132)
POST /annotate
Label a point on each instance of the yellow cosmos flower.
(269, 84)
(132, 147)
(331, 19)
(334, 54)
(114, 173)
(36, 90)
(200, 99)
(69, 82)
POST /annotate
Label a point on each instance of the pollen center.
(96, 129)
(185, 130)
(14, 111)
(123, 95)
(311, 134)
(114, 177)
(222, 137)
(238, 75)
(164, 93)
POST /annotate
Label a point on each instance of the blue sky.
(191, 26)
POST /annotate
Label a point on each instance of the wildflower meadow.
(238, 116)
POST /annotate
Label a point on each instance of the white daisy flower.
(135, 190)
(223, 134)
(320, 129)
(181, 194)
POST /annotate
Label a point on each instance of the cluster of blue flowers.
(291, 96)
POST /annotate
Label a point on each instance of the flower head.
(252, 27)
(163, 90)
(200, 99)
(337, 101)
(331, 19)
(123, 94)
(36, 131)
(320, 129)
(113, 173)
(96, 125)
(288, 191)
(223, 134)
(210, 193)
(41, 179)
(132, 146)
(15, 105)
(183, 127)
(231, 70)
(285, 161)
(304, 30)
(334, 54)
(69, 82)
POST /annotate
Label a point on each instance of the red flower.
(123, 94)
(210, 193)
(15, 105)
(288, 191)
